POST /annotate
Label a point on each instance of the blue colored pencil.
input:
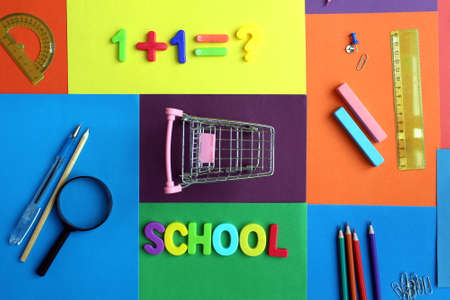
(374, 262)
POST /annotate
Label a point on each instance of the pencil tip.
(86, 133)
(371, 230)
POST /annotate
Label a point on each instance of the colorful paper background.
(99, 264)
(167, 277)
(93, 65)
(337, 171)
(286, 113)
(53, 13)
(369, 6)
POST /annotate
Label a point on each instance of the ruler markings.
(33, 70)
(408, 100)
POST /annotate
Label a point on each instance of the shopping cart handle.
(170, 187)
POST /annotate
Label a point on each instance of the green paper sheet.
(166, 277)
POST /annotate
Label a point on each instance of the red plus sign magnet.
(151, 46)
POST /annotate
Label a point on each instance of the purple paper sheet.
(369, 6)
(288, 184)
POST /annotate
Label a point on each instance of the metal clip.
(427, 287)
(419, 287)
(409, 288)
(397, 289)
(362, 62)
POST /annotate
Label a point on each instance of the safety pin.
(362, 62)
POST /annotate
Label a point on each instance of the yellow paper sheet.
(279, 65)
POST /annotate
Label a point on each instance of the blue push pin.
(353, 46)
(354, 40)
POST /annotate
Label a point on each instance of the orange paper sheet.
(337, 172)
(53, 13)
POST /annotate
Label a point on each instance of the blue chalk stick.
(358, 136)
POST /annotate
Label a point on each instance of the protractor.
(32, 69)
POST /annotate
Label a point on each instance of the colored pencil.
(350, 263)
(52, 200)
(359, 268)
(374, 262)
(343, 268)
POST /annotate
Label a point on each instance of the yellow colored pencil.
(52, 200)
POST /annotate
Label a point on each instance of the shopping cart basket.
(219, 150)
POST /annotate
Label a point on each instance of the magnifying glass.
(83, 203)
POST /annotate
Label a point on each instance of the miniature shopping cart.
(219, 150)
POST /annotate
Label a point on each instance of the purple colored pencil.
(374, 263)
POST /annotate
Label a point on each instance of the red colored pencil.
(350, 263)
(359, 268)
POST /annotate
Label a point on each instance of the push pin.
(354, 40)
(350, 49)
(353, 46)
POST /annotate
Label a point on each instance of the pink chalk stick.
(360, 111)
(207, 147)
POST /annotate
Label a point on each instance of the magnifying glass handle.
(51, 254)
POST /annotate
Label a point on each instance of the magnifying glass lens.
(83, 203)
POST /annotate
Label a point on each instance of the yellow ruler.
(32, 69)
(408, 99)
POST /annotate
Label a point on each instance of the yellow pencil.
(51, 202)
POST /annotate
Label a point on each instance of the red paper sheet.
(53, 13)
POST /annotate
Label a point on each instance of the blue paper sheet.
(100, 264)
(443, 217)
(406, 242)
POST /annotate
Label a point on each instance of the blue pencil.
(374, 262)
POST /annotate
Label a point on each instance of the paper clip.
(418, 284)
(397, 289)
(427, 288)
(409, 288)
(362, 62)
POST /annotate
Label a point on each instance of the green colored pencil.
(343, 268)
